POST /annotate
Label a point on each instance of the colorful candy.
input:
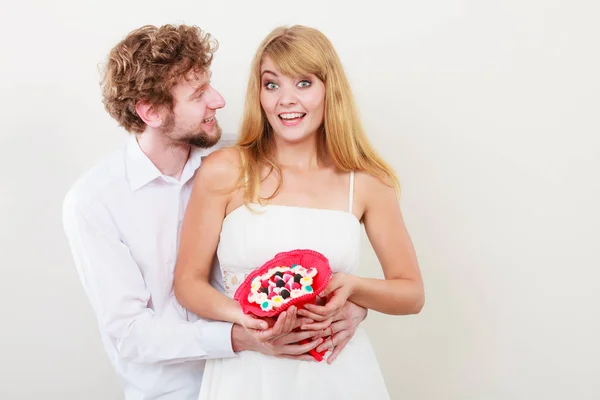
(281, 284)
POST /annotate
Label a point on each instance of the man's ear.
(148, 114)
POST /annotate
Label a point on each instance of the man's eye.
(304, 83)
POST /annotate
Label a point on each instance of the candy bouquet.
(292, 278)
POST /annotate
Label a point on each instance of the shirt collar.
(141, 170)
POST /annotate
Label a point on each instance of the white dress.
(249, 240)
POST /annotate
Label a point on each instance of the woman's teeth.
(291, 115)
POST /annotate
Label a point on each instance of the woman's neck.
(304, 155)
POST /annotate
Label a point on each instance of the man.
(123, 219)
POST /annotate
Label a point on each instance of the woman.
(302, 175)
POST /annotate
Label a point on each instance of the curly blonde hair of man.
(147, 64)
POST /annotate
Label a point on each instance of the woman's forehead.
(286, 66)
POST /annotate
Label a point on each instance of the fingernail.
(309, 321)
(283, 314)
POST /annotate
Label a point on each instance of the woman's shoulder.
(368, 187)
(368, 181)
(221, 169)
(224, 155)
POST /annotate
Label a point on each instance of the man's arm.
(116, 288)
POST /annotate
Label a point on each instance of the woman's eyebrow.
(266, 71)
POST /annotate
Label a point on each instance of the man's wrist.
(241, 340)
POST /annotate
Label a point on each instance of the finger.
(277, 329)
(308, 314)
(330, 342)
(263, 335)
(335, 304)
(297, 349)
(315, 309)
(317, 326)
(295, 337)
(336, 327)
(331, 308)
(255, 323)
(270, 334)
(290, 321)
(337, 350)
(333, 284)
(285, 323)
(340, 315)
(319, 313)
(301, 321)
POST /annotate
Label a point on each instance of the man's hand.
(337, 330)
(267, 328)
(278, 340)
(288, 346)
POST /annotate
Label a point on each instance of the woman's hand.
(270, 329)
(250, 321)
(342, 330)
(337, 292)
(337, 331)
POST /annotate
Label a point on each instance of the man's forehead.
(192, 81)
(198, 78)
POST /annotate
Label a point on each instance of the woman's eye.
(271, 85)
(304, 83)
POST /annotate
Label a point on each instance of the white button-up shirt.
(122, 220)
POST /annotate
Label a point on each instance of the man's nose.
(216, 101)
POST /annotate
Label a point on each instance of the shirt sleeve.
(115, 287)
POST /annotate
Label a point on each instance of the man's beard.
(198, 138)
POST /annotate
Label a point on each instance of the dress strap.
(351, 195)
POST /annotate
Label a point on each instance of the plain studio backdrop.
(487, 110)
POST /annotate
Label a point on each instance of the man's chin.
(203, 139)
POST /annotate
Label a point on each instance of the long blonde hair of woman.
(298, 51)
